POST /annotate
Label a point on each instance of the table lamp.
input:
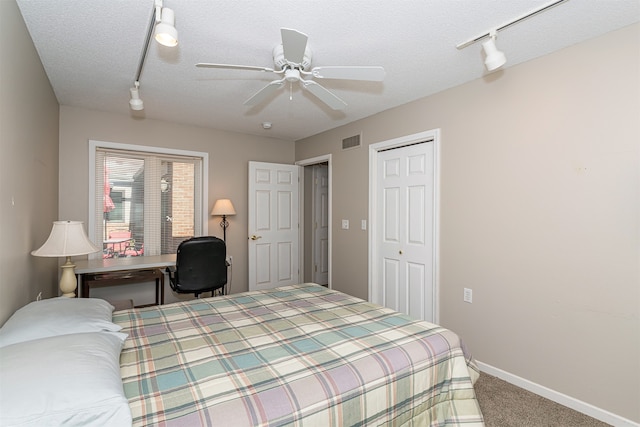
(224, 208)
(67, 239)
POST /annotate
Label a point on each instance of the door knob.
(254, 237)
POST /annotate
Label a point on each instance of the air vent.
(351, 142)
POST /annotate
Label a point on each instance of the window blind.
(157, 201)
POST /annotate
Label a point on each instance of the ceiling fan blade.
(234, 67)
(324, 95)
(294, 44)
(264, 93)
(373, 74)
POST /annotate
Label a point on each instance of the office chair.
(200, 266)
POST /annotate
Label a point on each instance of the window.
(144, 200)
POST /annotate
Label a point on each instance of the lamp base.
(224, 224)
(68, 281)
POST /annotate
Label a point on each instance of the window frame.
(204, 184)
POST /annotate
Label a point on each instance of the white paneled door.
(273, 225)
(404, 267)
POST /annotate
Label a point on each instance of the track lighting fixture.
(162, 20)
(135, 102)
(166, 33)
(494, 58)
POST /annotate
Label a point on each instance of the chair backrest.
(200, 265)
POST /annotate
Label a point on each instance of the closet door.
(405, 247)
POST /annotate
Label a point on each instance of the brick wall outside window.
(182, 190)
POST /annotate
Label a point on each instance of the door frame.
(310, 162)
(426, 136)
(319, 211)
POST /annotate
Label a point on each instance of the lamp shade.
(67, 239)
(223, 207)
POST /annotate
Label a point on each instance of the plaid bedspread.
(297, 355)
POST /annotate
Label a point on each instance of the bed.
(299, 355)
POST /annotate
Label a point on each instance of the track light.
(135, 102)
(162, 20)
(494, 58)
(166, 33)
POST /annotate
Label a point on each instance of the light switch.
(345, 224)
(363, 224)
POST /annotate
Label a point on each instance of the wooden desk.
(119, 271)
(125, 277)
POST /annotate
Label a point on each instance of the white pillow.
(57, 316)
(71, 380)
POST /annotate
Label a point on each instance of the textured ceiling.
(91, 50)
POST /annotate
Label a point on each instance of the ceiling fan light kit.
(292, 58)
(281, 62)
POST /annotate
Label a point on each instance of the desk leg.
(84, 287)
(161, 286)
(157, 290)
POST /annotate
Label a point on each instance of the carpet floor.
(506, 405)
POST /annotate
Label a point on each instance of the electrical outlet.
(229, 260)
(345, 224)
(363, 224)
(468, 295)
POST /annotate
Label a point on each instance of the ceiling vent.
(351, 142)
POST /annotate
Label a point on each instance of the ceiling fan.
(292, 60)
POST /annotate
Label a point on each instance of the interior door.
(273, 225)
(405, 248)
(321, 224)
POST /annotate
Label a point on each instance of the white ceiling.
(91, 50)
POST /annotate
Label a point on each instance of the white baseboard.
(562, 399)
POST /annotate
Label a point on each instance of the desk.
(124, 270)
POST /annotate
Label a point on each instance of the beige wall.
(229, 154)
(28, 166)
(540, 215)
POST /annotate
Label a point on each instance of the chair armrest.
(173, 276)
